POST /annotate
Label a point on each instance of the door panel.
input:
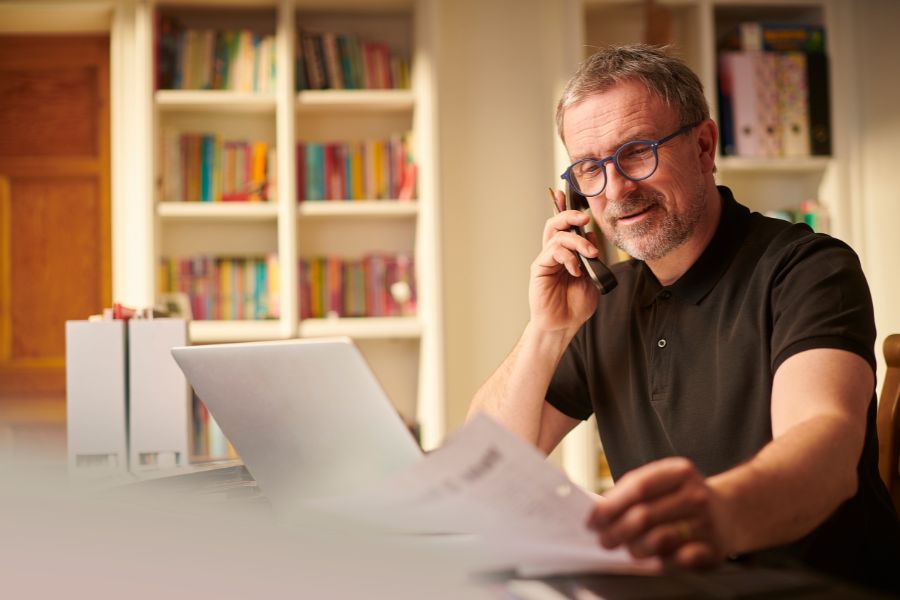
(54, 203)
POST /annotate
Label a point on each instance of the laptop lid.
(308, 417)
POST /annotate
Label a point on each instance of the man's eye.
(636, 152)
(589, 169)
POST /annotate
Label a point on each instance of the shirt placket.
(660, 350)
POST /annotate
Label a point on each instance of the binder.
(751, 79)
(736, 72)
(765, 81)
(96, 398)
(159, 397)
(793, 103)
(819, 104)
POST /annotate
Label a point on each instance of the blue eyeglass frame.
(614, 159)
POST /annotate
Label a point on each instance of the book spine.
(301, 171)
(249, 287)
(206, 167)
(332, 61)
(303, 288)
(346, 61)
(274, 282)
(258, 171)
(357, 175)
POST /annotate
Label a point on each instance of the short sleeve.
(820, 299)
(568, 391)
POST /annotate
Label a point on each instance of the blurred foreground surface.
(68, 539)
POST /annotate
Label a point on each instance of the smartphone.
(596, 269)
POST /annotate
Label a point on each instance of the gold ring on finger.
(685, 531)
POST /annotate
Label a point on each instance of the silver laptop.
(308, 417)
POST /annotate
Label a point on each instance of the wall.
(878, 53)
(500, 73)
(502, 65)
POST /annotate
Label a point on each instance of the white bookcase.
(405, 352)
(761, 184)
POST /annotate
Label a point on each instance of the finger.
(641, 485)
(667, 538)
(576, 242)
(696, 555)
(568, 260)
(564, 221)
(572, 242)
(555, 256)
(686, 504)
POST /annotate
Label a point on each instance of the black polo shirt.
(687, 369)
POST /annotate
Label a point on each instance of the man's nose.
(617, 185)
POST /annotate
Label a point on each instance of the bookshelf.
(404, 350)
(763, 183)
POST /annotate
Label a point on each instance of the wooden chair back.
(889, 420)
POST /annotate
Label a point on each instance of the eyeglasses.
(635, 160)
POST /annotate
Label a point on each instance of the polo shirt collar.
(703, 275)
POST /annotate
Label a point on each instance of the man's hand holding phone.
(561, 295)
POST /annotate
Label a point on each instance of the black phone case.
(596, 268)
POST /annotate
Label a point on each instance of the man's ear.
(707, 140)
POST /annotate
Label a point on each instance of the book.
(224, 288)
(376, 285)
(301, 171)
(337, 60)
(332, 61)
(217, 59)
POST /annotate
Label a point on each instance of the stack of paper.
(486, 481)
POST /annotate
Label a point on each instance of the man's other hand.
(663, 509)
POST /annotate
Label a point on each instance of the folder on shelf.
(765, 66)
(96, 397)
(793, 103)
(736, 73)
(751, 79)
(159, 398)
(819, 104)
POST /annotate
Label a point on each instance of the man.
(731, 370)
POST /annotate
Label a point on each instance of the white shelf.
(358, 208)
(355, 101)
(220, 100)
(206, 332)
(363, 327)
(810, 164)
(218, 211)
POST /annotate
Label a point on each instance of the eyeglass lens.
(634, 160)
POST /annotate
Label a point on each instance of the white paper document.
(487, 482)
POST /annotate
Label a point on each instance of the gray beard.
(657, 236)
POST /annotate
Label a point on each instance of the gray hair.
(666, 76)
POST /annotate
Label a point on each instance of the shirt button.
(665, 295)
(661, 343)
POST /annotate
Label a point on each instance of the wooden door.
(54, 205)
